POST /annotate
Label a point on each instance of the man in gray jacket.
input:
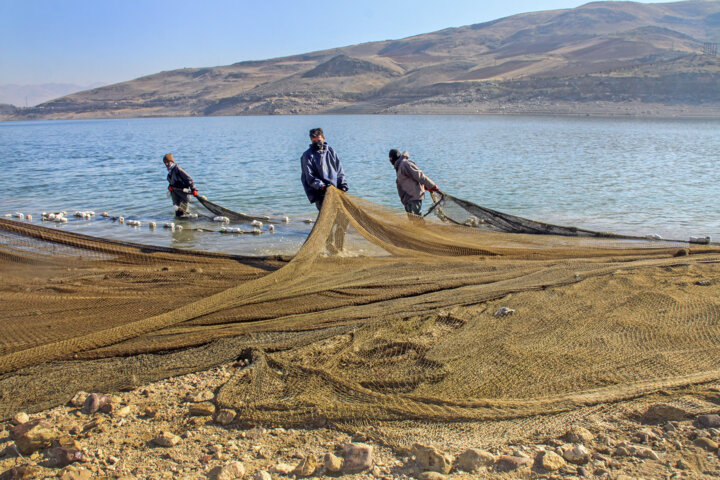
(181, 185)
(411, 181)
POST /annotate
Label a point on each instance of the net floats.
(308, 220)
(221, 219)
(700, 240)
(256, 224)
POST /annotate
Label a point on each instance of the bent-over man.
(411, 181)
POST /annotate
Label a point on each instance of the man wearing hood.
(181, 185)
(411, 181)
(321, 168)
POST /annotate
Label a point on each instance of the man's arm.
(185, 178)
(310, 178)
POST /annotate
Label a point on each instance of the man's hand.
(344, 188)
(186, 190)
(170, 189)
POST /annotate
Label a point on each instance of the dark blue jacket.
(321, 168)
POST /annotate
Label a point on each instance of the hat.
(168, 158)
(394, 154)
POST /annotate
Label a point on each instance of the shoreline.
(174, 428)
(627, 110)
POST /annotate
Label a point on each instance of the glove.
(434, 189)
(194, 192)
(186, 190)
(344, 188)
(170, 188)
(322, 189)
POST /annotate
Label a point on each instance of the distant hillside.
(31, 95)
(604, 57)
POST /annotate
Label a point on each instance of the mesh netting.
(378, 317)
(230, 214)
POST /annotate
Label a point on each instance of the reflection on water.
(622, 175)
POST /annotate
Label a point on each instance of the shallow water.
(622, 175)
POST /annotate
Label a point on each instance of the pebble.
(430, 458)
(576, 454)
(357, 457)
(473, 459)
(647, 453)
(33, 436)
(204, 409)
(549, 461)
(509, 463)
(72, 473)
(225, 416)
(64, 456)
(94, 402)
(166, 439)
(706, 443)
(306, 467)
(202, 396)
(20, 418)
(282, 468)
(579, 435)
(78, 400)
(230, 471)
(261, 475)
(431, 476)
(708, 421)
(333, 464)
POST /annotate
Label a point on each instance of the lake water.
(628, 176)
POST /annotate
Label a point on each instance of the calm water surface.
(623, 175)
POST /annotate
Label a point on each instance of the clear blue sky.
(87, 41)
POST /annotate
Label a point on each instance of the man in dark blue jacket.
(321, 167)
(181, 185)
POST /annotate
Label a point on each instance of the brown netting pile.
(378, 317)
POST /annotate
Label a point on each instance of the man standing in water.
(411, 182)
(181, 185)
(321, 168)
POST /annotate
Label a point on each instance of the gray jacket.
(411, 181)
(179, 179)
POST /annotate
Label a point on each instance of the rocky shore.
(172, 429)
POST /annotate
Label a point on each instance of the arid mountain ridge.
(601, 58)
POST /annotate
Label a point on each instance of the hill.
(602, 57)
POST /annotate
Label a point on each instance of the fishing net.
(230, 214)
(379, 317)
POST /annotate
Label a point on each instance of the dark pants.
(181, 200)
(414, 207)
